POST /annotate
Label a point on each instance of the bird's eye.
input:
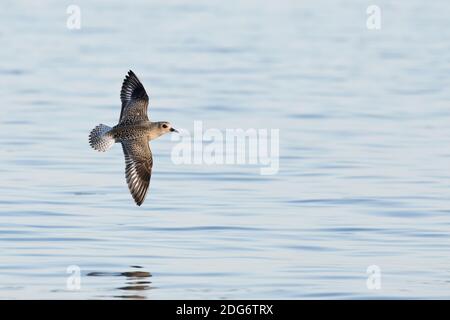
(164, 126)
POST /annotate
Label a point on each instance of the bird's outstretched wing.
(138, 167)
(134, 100)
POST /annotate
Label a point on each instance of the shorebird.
(134, 131)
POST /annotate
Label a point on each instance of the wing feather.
(138, 167)
(134, 100)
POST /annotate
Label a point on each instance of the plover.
(134, 131)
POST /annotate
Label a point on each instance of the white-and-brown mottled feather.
(138, 167)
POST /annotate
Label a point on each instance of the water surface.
(364, 162)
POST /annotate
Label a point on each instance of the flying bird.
(134, 131)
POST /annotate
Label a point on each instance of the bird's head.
(165, 127)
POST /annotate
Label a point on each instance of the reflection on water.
(134, 282)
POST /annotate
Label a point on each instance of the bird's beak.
(173, 130)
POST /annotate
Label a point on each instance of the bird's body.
(133, 131)
(148, 129)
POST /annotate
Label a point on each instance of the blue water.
(364, 178)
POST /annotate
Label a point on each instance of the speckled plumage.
(133, 131)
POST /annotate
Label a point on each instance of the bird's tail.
(101, 138)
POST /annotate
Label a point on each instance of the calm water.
(364, 119)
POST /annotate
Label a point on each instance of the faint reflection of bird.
(133, 131)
